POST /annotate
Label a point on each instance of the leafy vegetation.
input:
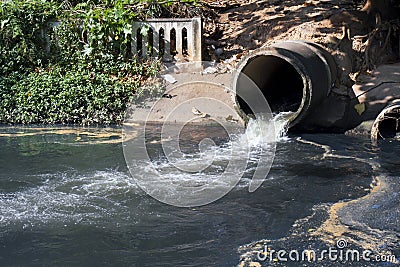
(70, 61)
(86, 93)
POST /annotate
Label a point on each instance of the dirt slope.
(357, 42)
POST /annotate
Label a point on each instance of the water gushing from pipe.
(293, 76)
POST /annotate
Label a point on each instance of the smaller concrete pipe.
(294, 76)
(387, 124)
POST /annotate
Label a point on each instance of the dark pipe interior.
(389, 127)
(279, 81)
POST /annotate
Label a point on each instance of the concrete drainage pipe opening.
(387, 124)
(280, 82)
(294, 76)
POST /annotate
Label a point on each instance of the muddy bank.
(194, 93)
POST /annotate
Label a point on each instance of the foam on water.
(254, 146)
(77, 197)
(67, 197)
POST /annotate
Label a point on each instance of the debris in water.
(197, 112)
(231, 119)
(168, 96)
(360, 108)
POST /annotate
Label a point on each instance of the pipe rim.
(392, 107)
(294, 62)
(324, 56)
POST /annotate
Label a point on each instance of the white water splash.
(68, 198)
(282, 121)
(262, 131)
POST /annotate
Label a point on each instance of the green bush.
(98, 93)
(21, 27)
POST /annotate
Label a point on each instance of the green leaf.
(4, 22)
(144, 30)
(127, 30)
(87, 51)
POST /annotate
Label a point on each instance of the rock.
(209, 70)
(197, 112)
(169, 78)
(231, 119)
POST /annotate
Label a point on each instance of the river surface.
(68, 199)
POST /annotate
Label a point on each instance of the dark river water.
(68, 199)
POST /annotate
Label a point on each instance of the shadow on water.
(67, 202)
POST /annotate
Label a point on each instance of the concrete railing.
(167, 38)
(164, 38)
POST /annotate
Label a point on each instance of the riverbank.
(82, 71)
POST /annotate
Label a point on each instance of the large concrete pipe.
(294, 76)
(387, 124)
